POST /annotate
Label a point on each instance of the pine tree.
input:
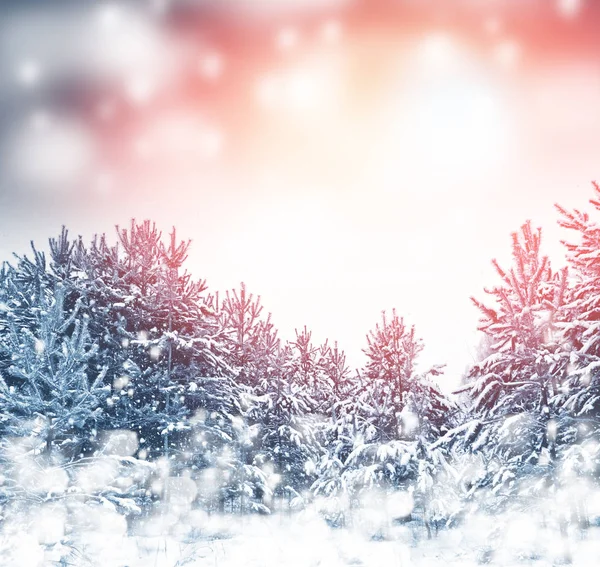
(155, 329)
(339, 382)
(383, 436)
(252, 346)
(513, 392)
(580, 395)
(241, 318)
(49, 391)
(286, 441)
(584, 307)
(53, 391)
(392, 350)
(338, 434)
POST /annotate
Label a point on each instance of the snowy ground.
(270, 545)
(305, 540)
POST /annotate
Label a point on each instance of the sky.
(340, 157)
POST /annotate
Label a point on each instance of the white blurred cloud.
(105, 42)
(569, 8)
(50, 153)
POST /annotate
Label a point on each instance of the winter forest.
(283, 283)
(136, 403)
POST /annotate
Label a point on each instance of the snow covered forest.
(147, 420)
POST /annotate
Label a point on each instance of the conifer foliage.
(113, 355)
(513, 392)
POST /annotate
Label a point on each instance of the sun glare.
(446, 117)
(457, 124)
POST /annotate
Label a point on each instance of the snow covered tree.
(50, 392)
(286, 444)
(383, 436)
(339, 380)
(131, 291)
(249, 340)
(336, 434)
(314, 370)
(155, 330)
(392, 386)
(52, 395)
(241, 318)
(580, 395)
(513, 393)
(583, 255)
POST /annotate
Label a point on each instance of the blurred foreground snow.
(303, 539)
